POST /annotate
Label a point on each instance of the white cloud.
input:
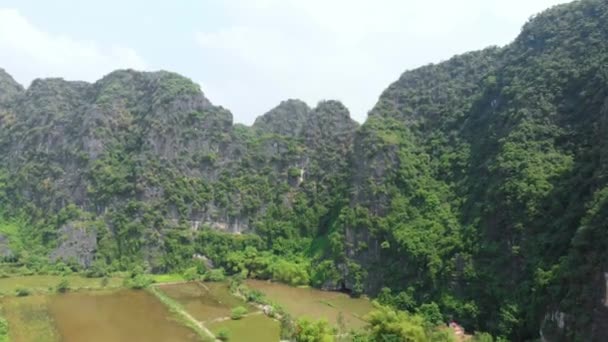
(349, 50)
(27, 52)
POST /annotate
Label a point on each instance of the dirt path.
(177, 308)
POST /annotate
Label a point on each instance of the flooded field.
(131, 315)
(313, 303)
(211, 303)
(125, 315)
(205, 302)
(29, 319)
(253, 328)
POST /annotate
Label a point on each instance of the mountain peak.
(9, 88)
(287, 118)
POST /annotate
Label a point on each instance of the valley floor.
(102, 309)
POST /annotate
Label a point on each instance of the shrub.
(238, 312)
(223, 335)
(215, 275)
(3, 329)
(431, 313)
(138, 282)
(307, 330)
(288, 328)
(387, 324)
(63, 286)
(22, 292)
(191, 274)
(105, 281)
(290, 272)
(97, 270)
(482, 337)
(294, 172)
(256, 297)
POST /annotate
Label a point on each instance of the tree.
(215, 275)
(431, 313)
(191, 274)
(386, 324)
(313, 331)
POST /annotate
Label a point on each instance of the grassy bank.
(43, 284)
(30, 319)
(3, 327)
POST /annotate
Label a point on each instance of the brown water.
(253, 328)
(313, 303)
(125, 315)
(212, 303)
(205, 302)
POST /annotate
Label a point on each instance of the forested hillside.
(476, 189)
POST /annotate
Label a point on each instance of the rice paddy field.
(107, 312)
(255, 327)
(211, 304)
(204, 301)
(314, 303)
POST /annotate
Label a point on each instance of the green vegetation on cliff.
(475, 191)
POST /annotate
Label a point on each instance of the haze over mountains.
(478, 184)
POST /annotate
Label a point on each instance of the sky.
(249, 55)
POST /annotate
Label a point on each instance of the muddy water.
(125, 315)
(313, 303)
(212, 302)
(205, 302)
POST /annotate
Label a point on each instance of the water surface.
(253, 328)
(314, 303)
(125, 315)
(204, 301)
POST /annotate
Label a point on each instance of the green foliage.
(191, 273)
(238, 312)
(324, 272)
(63, 286)
(105, 281)
(482, 337)
(22, 292)
(293, 172)
(386, 324)
(216, 274)
(223, 335)
(313, 331)
(3, 330)
(431, 313)
(288, 327)
(290, 272)
(475, 190)
(138, 281)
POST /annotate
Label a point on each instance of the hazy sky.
(248, 55)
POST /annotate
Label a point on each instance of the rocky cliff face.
(477, 184)
(134, 143)
(287, 119)
(499, 141)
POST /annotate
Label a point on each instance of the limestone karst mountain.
(477, 185)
